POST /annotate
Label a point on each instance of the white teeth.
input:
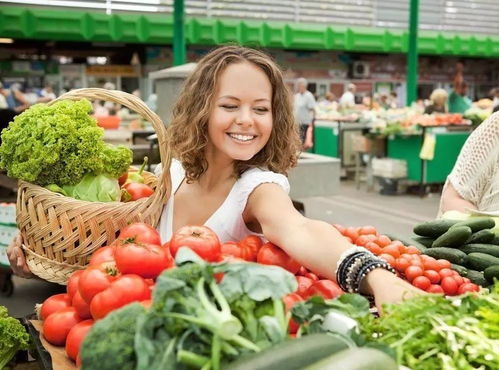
(242, 137)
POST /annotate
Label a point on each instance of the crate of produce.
(60, 232)
(389, 168)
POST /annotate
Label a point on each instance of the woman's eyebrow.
(233, 97)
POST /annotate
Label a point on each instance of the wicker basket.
(60, 233)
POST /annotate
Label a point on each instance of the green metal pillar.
(412, 53)
(178, 33)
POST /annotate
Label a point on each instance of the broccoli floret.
(13, 337)
(110, 343)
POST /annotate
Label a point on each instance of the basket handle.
(135, 104)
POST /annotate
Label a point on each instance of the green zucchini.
(294, 354)
(433, 229)
(484, 236)
(424, 240)
(356, 359)
(450, 254)
(490, 273)
(463, 271)
(454, 237)
(477, 277)
(480, 261)
(491, 249)
(477, 223)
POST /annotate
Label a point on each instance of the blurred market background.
(386, 132)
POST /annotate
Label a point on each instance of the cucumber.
(424, 240)
(292, 354)
(450, 254)
(490, 273)
(433, 229)
(495, 240)
(454, 237)
(477, 223)
(477, 277)
(356, 359)
(484, 236)
(463, 271)
(491, 249)
(480, 261)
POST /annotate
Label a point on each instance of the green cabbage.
(100, 188)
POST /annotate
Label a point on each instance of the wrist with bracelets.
(354, 265)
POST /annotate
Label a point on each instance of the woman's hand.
(388, 288)
(17, 260)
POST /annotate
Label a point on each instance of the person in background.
(46, 94)
(304, 107)
(394, 103)
(384, 102)
(329, 102)
(458, 101)
(438, 99)
(474, 180)
(3, 101)
(16, 100)
(347, 100)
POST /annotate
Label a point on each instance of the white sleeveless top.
(475, 175)
(227, 221)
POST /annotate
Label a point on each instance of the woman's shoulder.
(175, 167)
(255, 176)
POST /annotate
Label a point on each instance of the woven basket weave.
(60, 233)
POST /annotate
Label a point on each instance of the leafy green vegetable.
(100, 188)
(110, 343)
(13, 337)
(59, 144)
(194, 322)
(432, 332)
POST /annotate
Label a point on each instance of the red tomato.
(137, 191)
(302, 271)
(431, 264)
(253, 243)
(200, 239)
(125, 289)
(76, 336)
(72, 285)
(289, 301)
(311, 276)
(444, 264)
(140, 232)
(435, 289)
(383, 241)
(122, 179)
(421, 282)
(445, 272)
(270, 254)
(57, 326)
(401, 264)
(231, 249)
(101, 255)
(459, 279)
(388, 258)
(327, 289)
(433, 276)
(145, 260)
(352, 233)
(53, 304)
(362, 240)
(367, 230)
(82, 308)
(95, 279)
(412, 250)
(303, 284)
(78, 361)
(467, 287)
(373, 248)
(449, 285)
(466, 280)
(393, 250)
(413, 272)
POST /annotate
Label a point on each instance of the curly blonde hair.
(187, 135)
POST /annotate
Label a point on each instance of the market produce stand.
(447, 148)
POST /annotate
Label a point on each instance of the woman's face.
(240, 121)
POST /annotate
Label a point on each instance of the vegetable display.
(13, 337)
(59, 144)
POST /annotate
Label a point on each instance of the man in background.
(304, 106)
(458, 101)
(347, 100)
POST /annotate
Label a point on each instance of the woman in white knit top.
(474, 181)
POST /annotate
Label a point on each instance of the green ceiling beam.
(63, 25)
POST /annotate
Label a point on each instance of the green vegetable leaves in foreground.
(13, 337)
(59, 144)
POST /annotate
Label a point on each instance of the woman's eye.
(261, 110)
(228, 106)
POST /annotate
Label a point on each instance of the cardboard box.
(364, 144)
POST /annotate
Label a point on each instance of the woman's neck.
(220, 171)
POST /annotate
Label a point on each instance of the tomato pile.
(424, 272)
